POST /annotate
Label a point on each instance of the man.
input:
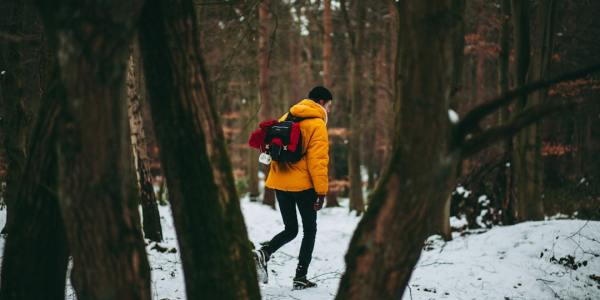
(303, 184)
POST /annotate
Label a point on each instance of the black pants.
(287, 205)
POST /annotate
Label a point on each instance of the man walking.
(303, 184)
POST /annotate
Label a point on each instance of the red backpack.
(281, 140)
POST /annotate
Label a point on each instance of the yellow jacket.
(311, 170)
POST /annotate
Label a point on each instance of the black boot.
(301, 283)
(261, 257)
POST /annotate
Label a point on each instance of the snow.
(525, 261)
(462, 191)
(512, 262)
(453, 116)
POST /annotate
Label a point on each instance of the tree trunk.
(150, 215)
(16, 96)
(354, 164)
(332, 198)
(506, 179)
(263, 82)
(387, 243)
(215, 250)
(253, 164)
(109, 258)
(528, 163)
(35, 257)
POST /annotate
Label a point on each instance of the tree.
(215, 250)
(527, 157)
(356, 36)
(35, 257)
(109, 258)
(135, 84)
(508, 211)
(19, 90)
(263, 81)
(387, 242)
(327, 48)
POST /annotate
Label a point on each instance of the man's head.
(321, 95)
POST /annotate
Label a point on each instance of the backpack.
(281, 140)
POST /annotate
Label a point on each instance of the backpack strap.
(291, 117)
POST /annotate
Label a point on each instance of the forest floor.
(533, 260)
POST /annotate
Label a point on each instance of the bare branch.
(527, 117)
(471, 121)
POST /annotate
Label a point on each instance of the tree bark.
(263, 82)
(109, 258)
(18, 95)
(150, 215)
(387, 243)
(35, 257)
(506, 179)
(528, 162)
(356, 34)
(215, 250)
(332, 198)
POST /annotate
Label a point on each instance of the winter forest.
(462, 162)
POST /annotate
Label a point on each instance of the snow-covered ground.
(533, 260)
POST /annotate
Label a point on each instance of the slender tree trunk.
(263, 81)
(35, 257)
(215, 250)
(150, 214)
(109, 258)
(253, 167)
(508, 201)
(332, 198)
(354, 164)
(387, 243)
(528, 163)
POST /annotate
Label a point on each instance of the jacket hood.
(309, 109)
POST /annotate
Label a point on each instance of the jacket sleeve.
(317, 156)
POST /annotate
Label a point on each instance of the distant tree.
(528, 167)
(135, 84)
(266, 111)
(355, 28)
(215, 249)
(327, 48)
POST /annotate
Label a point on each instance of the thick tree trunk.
(19, 95)
(387, 243)
(109, 259)
(150, 215)
(35, 257)
(215, 250)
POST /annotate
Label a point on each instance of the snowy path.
(511, 262)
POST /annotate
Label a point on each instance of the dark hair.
(319, 93)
